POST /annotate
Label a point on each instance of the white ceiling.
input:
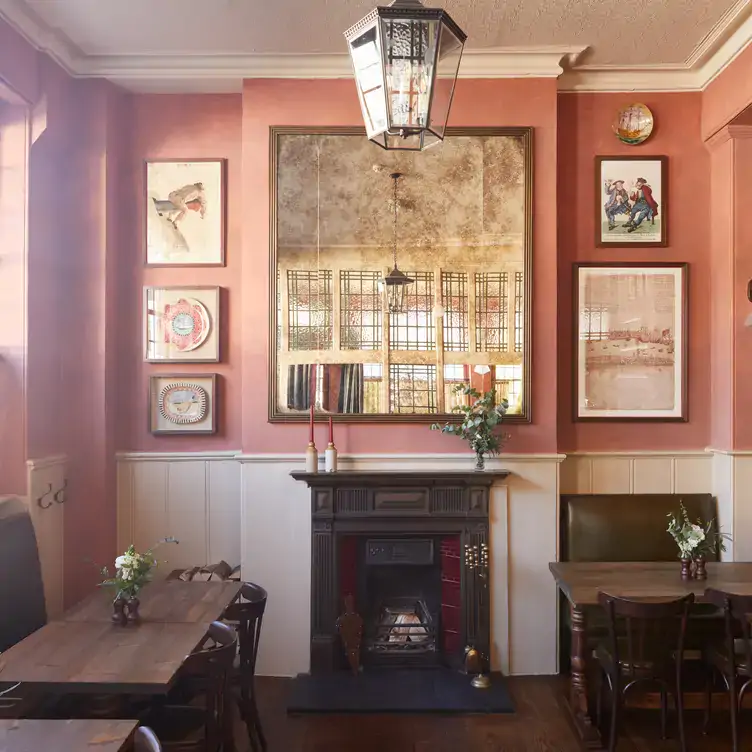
(619, 32)
(211, 39)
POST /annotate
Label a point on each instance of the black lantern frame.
(406, 59)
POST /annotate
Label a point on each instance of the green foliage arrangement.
(133, 570)
(480, 422)
(695, 538)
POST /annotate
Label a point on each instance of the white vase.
(330, 459)
(311, 459)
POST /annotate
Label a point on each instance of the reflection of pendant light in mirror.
(482, 370)
(396, 281)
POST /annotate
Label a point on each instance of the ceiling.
(101, 38)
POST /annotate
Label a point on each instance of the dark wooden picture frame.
(213, 405)
(662, 212)
(682, 328)
(222, 162)
(277, 416)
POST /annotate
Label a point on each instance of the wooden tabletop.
(581, 581)
(65, 736)
(164, 601)
(102, 657)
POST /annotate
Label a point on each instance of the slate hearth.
(390, 538)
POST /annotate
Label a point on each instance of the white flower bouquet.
(695, 539)
(133, 570)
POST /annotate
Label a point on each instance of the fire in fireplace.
(403, 626)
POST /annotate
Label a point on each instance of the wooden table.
(65, 736)
(101, 657)
(163, 601)
(581, 581)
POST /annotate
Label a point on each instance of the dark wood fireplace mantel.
(398, 502)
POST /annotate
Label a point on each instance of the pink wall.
(182, 127)
(727, 95)
(18, 64)
(584, 132)
(315, 102)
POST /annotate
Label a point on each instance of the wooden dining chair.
(246, 614)
(204, 727)
(731, 657)
(645, 645)
(145, 740)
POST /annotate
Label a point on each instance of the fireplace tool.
(476, 561)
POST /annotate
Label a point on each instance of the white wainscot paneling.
(193, 497)
(46, 481)
(637, 472)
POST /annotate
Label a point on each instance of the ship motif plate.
(634, 124)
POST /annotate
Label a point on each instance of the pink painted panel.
(18, 63)
(584, 132)
(181, 127)
(728, 94)
(316, 102)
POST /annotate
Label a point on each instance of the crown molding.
(225, 73)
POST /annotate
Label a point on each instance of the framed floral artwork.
(630, 359)
(631, 202)
(184, 205)
(183, 403)
(181, 324)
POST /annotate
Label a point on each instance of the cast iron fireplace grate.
(403, 626)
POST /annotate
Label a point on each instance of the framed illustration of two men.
(632, 197)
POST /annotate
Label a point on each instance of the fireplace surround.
(411, 547)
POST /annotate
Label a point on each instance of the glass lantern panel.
(450, 53)
(366, 60)
(405, 142)
(409, 53)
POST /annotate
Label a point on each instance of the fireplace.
(411, 549)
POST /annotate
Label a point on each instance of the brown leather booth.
(619, 527)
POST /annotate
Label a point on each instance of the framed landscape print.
(182, 403)
(632, 196)
(185, 212)
(631, 341)
(181, 324)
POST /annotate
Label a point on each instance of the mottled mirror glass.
(464, 237)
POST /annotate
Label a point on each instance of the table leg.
(578, 695)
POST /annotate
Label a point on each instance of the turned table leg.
(578, 695)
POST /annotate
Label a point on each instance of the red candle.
(331, 430)
(311, 437)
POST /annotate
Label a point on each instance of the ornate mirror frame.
(276, 413)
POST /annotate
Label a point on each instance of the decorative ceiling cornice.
(225, 73)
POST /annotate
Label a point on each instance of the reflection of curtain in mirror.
(351, 388)
(299, 386)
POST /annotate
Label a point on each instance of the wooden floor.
(540, 724)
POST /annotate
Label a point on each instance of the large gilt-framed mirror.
(464, 238)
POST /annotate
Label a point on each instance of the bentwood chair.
(731, 658)
(145, 740)
(246, 614)
(204, 727)
(645, 646)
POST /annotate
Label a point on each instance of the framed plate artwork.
(632, 200)
(182, 404)
(184, 205)
(181, 324)
(630, 358)
(634, 124)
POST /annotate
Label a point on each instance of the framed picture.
(181, 324)
(631, 202)
(185, 212)
(631, 345)
(183, 403)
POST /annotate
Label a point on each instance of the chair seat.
(644, 668)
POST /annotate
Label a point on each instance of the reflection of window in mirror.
(463, 238)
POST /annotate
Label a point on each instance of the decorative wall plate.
(186, 324)
(634, 124)
(183, 403)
